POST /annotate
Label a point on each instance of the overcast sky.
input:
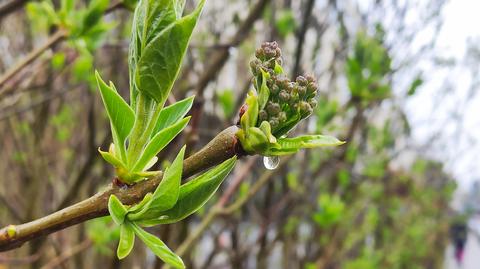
(448, 101)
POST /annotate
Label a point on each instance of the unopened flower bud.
(255, 66)
(310, 79)
(259, 53)
(282, 117)
(302, 90)
(262, 115)
(284, 96)
(312, 102)
(302, 81)
(274, 89)
(273, 108)
(312, 89)
(273, 122)
(305, 109)
(293, 99)
(282, 81)
(291, 87)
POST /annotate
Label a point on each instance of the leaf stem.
(142, 119)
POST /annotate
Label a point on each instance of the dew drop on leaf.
(271, 162)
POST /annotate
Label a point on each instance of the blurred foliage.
(376, 202)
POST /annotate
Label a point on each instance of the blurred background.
(397, 80)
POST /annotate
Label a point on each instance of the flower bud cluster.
(288, 99)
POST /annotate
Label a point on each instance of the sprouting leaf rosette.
(141, 129)
(169, 203)
(276, 106)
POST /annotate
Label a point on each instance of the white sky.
(432, 110)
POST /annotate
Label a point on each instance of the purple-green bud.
(312, 89)
(255, 66)
(291, 87)
(275, 89)
(282, 81)
(273, 108)
(260, 54)
(305, 109)
(310, 79)
(262, 115)
(282, 117)
(302, 90)
(284, 96)
(273, 122)
(302, 81)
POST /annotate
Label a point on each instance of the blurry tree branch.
(220, 207)
(222, 147)
(10, 6)
(54, 39)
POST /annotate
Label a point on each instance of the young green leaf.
(173, 113)
(249, 118)
(158, 247)
(94, 13)
(120, 114)
(150, 18)
(194, 194)
(158, 142)
(160, 61)
(127, 240)
(117, 209)
(137, 207)
(292, 145)
(166, 193)
(111, 159)
(263, 92)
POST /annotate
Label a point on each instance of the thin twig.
(10, 6)
(54, 263)
(218, 209)
(224, 146)
(52, 40)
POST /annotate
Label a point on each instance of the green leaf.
(158, 247)
(166, 193)
(94, 13)
(173, 113)
(160, 61)
(249, 118)
(285, 22)
(120, 114)
(293, 145)
(137, 207)
(117, 209)
(415, 84)
(227, 102)
(110, 158)
(158, 142)
(264, 92)
(194, 194)
(127, 240)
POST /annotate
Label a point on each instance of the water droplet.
(271, 162)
